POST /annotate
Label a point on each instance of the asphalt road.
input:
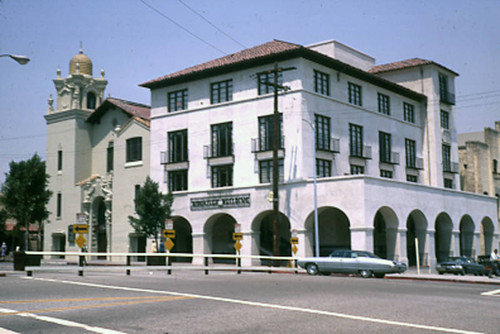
(190, 302)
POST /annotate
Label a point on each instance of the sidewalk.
(7, 268)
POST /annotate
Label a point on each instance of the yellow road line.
(73, 300)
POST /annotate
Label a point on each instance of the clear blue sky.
(133, 44)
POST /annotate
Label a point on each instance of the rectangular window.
(222, 141)
(178, 180)
(448, 183)
(386, 173)
(411, 178)
(59, 160)
(410, 149)
(384, 104)
(322, 125)
(134, 149)
(356, 140)
(409, 112)
(177, 100)
(323, 168)
(265, 82)
(266, 131)
(221, 91)
(355, 94)
(178, 146)
(443, 87)
(446, 158)
(222, 176)
(59, 205)
(355, 169)
(266, 171)
(445, 119)
(110, 157)
(321, 83)
(384, 147)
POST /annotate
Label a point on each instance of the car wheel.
(441, 273)
(312, 269)
(379, 275)
(365, 273)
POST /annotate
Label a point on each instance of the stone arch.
(385, 224)
(262, 229)
(442, 237)
(334, 230)
(486, 237)
(219, 230)
(416, 229)
(466, 236)
(183, 242)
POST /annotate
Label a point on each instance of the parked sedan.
(351, 262)
(460, 265)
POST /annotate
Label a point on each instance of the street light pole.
(23, 60)
(316, 227)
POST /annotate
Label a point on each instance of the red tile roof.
(132, 108)
(414, 62)
(265, 50)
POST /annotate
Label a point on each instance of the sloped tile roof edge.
(404, 64)
(131, 108)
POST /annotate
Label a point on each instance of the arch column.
(304, 246)
(198, 247)
(362, 238)
(476, 247)
(431, 250)
(402, 255)
(246, 247)
(455, 243)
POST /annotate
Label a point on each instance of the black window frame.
(221, 91)
(444, 119)
(110, 156)
(446, 157)
(448, 183)
(384, 103)
(265, 82)
(357, 170)
(59, 205)
(355, 140)
(177, 100)
(411, 178)
(59, 160)
(266, 171)
(411, 153)
(134, 149)
(222, 176)
(385, 143)
(355, 94)
(178, 146)
(323, 168)
(409, 112)
(222, 139)
(388, 174)
(321, 83)
(178, 180)
(266, 130)
(322, 132)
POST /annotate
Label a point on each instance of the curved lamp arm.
(20, 59)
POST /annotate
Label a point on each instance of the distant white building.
(386, 155)
(97, 157)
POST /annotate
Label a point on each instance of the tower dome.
(84, 63)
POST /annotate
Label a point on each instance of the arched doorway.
(442, 238)
(183, 242)
(219, 231)
(385, 226)
(487, 230)
(334, 230)
(416, 227)
(466, 236)
(263, 227)
(100, 242)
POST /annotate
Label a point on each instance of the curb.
(436, 279)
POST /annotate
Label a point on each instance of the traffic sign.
(237, 245)
(169, 244)
(80, 241)
(294, 240)
(169, 234)
(81, 228)
(294, 249)
(237, 236)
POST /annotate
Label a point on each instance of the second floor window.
(266, 132)
(321, 83)
(222, 142)
(178, 180)
(266, 171)
(323, 168)
(446, 158)
(266, 82)
(134, 149)
(177, 100)
(355, 94)
(409, 112)
(410, 153)
(222, 176)
(384, 147)
(356, 140)
(178, 146)
(322, 125)
(221, 91)
(445, 119)
(384, 104)
(355, 169)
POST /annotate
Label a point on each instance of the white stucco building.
(97, 156)
(386, 155)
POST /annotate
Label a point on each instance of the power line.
(183, 28)
(213, 25)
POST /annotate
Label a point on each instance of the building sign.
(220, 202)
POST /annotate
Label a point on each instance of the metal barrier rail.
(114, 265)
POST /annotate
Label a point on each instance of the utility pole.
(276, 140)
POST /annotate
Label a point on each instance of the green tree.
(25, 194)
(152, 208)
